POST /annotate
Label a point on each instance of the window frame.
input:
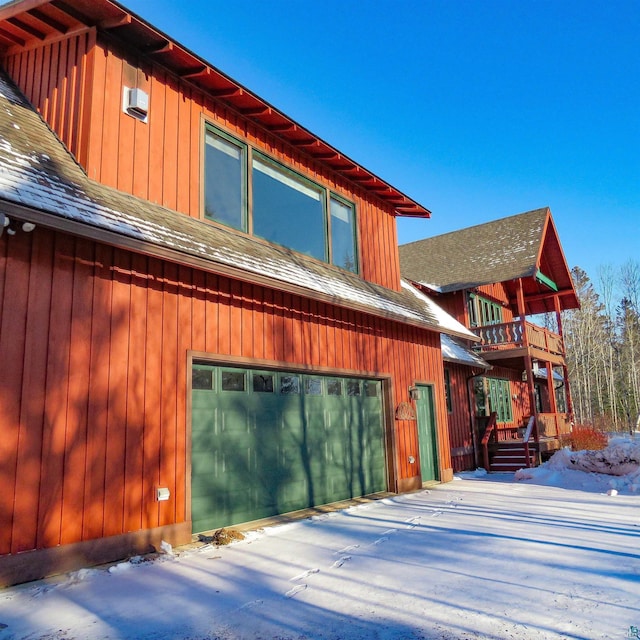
(249, 152)
(354, 231)
(245, 154)
(482, 311)
(447, 390)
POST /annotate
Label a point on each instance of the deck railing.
(510, 335)
(553, 425)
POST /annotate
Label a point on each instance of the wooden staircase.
(511, 456)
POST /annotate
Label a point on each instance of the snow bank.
(613, 470)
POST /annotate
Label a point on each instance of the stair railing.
(488, 432)
(526, 437)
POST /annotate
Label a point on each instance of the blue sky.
(476, 109)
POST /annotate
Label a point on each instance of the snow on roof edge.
(448, 323)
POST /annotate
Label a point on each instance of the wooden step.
(510, 457)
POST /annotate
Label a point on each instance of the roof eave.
(191, 68)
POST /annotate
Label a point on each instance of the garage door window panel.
(233, 381)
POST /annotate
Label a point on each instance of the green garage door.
(267, 442)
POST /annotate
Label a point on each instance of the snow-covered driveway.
(475, 558)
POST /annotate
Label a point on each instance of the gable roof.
(504, 250)
(40, 182)
(24, 23)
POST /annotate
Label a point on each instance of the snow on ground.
(615, 469)
(485, 556)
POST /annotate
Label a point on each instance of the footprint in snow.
(295, 590)
(412, 523)
(250, 605)
(340, 561)
(389, 532)
(351, 547)
(380, 540)
(304, 574)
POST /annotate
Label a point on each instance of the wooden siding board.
(117, 397)
(247, 346)
(100, 364)
(12, 349)
(235, 319)
(60, 88)
(223, 310)
(94, 113)
(156, 135)
(126, 140)
(56, 424)
(113, 139)
(216, 316)
(153, 395)
(170, 388)
(199, 310)
(77, 409)
(180, 453)
(267, 324)
(84, 97)
(187, 158)
(25, 523)
(170, 145)
(196, 135)
(140, 152)
(70, 93)
(137, 371)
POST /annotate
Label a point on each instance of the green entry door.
(271, 442)
(427, 434)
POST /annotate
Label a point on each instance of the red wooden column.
(528, 362)
(565, 371)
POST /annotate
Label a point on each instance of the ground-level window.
(249, 191)
(447, 390)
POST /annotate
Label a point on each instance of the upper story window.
(249, 191)
(482, 311)
(225, 180)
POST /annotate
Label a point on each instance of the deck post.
(528, 362)
(565, 370)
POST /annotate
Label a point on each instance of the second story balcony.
(514, 339)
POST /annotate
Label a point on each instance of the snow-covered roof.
(448, 323)
(454, 351)
(542, 373)
(47, 186)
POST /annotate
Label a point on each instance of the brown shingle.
(496, 251)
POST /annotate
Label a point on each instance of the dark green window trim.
(494, 394)
(483, 311)
(330, 238)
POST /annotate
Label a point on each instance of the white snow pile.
(615, 469)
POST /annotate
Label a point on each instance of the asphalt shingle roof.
(496, 251)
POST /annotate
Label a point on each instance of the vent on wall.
(135, 102)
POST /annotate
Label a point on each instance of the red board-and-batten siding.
(79, 94)
(94, 404)
(461, 418)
